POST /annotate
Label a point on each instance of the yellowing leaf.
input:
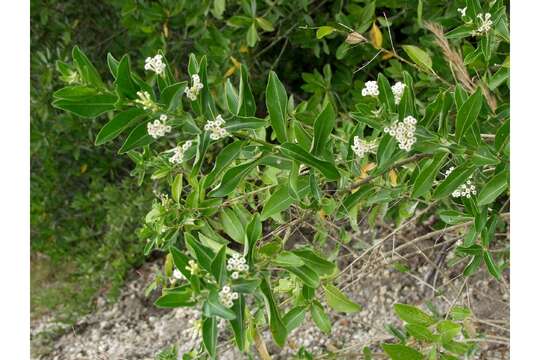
(419, 56)
(387, 55)
(84, 167)
(230, 71)
(244, 49)
(324, 31)
(392, 175)
(376, 36)
(365, 169)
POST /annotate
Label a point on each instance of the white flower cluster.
(193, 267)
(462, 11)
(145, 101)
(468, 189)
(485, 24)
(237, 265)
(403, 132)
(371, 89)
(155, 64)
(398, 89)
(216, 129)
(158, 128)
(362, 147)
(196, 86)
(179, 151)
(226, 296)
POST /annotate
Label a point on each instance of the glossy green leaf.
(295, 152)
(324, 31)
(125, 85)
(424, 181)
(225, 157)
(401, 352)
(413, 315)
(209, 336)
(281, 199)
(420, 332)
(218, 266)
(306, 274)
(419, 56)
(176, 187)
(137, 137)
(316, 262)
(456, 178)
(232, 178)
(494, 187)
(245, 286)
(338, 300)
(88, 107)
(238, 324)
(246, 102)
(277, 327)
(492, 267)
(468, 113)
(87, 71)
(294, 318)
(175, 299)
(212, 307)
(320, 318)
(276, 103)
(118, 124)
(385, 92)
(253, 234)
(323, 125)
(287, 258)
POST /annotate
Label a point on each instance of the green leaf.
(253, 234)
(75, 92)
(324, 31)
(203, 142)
(87, 71)
(118, 124)
(385, 150)
(386, 94)
(264, 24)
(420, 332)
(251, 36)
(171, 96)
(294, 318)
(323, 125)
(113, 64)
(231, 96)
(401, 352)
(232, 178)
(339, 301)
(246, 102)
(455, 179)
(316, 262)
(276, 103)
(225, 157)
(413, 315)
(492, 267)
(245, 286)
(218, 266)
(468, 113)
(281, 199)
(242, 123)
(424, 181)
(137, 137)
(320, 318)
(209, 336)
(181, 262)
(419, 56)
(212, 307)
(277, 328)
(494, 187)
(175, 299)
(88, 107)
(448, 330)
(124, 82)
(287, 258)
(306, 274)
(295, 152)
(203, 254)
(232, 225)
(176, 187)
(237, 324)
(460, 313)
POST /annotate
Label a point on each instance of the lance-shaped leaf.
(277, 328)
(87, 71)
(232, 178)
(295, 152)
(224, 158)
(316, 262)
(237, 323)
(137, 137)
(87, 107)
(323, 125)
(413, 315)
(175, 299)
(125, 85)
(218, 266)
(212, 307)
(424, 181)
(494, 187)
(401, 352)
(209, 336)
(468, 113)
(253, 233)
(118, 124)
(306, 274)
(281, 198)
(320, 318)
(294, 318)
(203, 254)
(457, 177)
(246, 101)
(386, 94)
(338, 300)
(276, 103)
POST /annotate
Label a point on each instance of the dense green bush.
(251, 117)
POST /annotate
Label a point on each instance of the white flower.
(215, 128)
(371, 89)
(403, 132)
(485, 24)
(193, 267)
(155, 64)
(196, 87)
(237, 265)
(467, 190)
(178, 155)
(462, 11)
(362, 147)
(398, 89)
(146, 102)
(159, 127)
(226, 296)
(177, 274)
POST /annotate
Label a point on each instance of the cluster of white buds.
(193, 267)
(216, 128)
(468, 189)
(177, 275)
(371, 89)
(237, 265)
(226, 296)
(179, 151)
(145, 101)
(362, 147)
(158, 128)
(398, 89)
(485, 24)
(403, 132)
(155, 64)
(462, 11)
(196, 86)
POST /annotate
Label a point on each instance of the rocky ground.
(132, 328)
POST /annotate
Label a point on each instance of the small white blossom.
(196, 87)
(403, 132)
(158, 128)
(467, 190)
(371, 89)
(237, 265)
(177, 274)
(155, 64)
(462, 11)
(216, 128)
(145, 101)
(362, 147)
(485, 24)
(398, 89)
(178, 153)
(193, 267)
(226, 296)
